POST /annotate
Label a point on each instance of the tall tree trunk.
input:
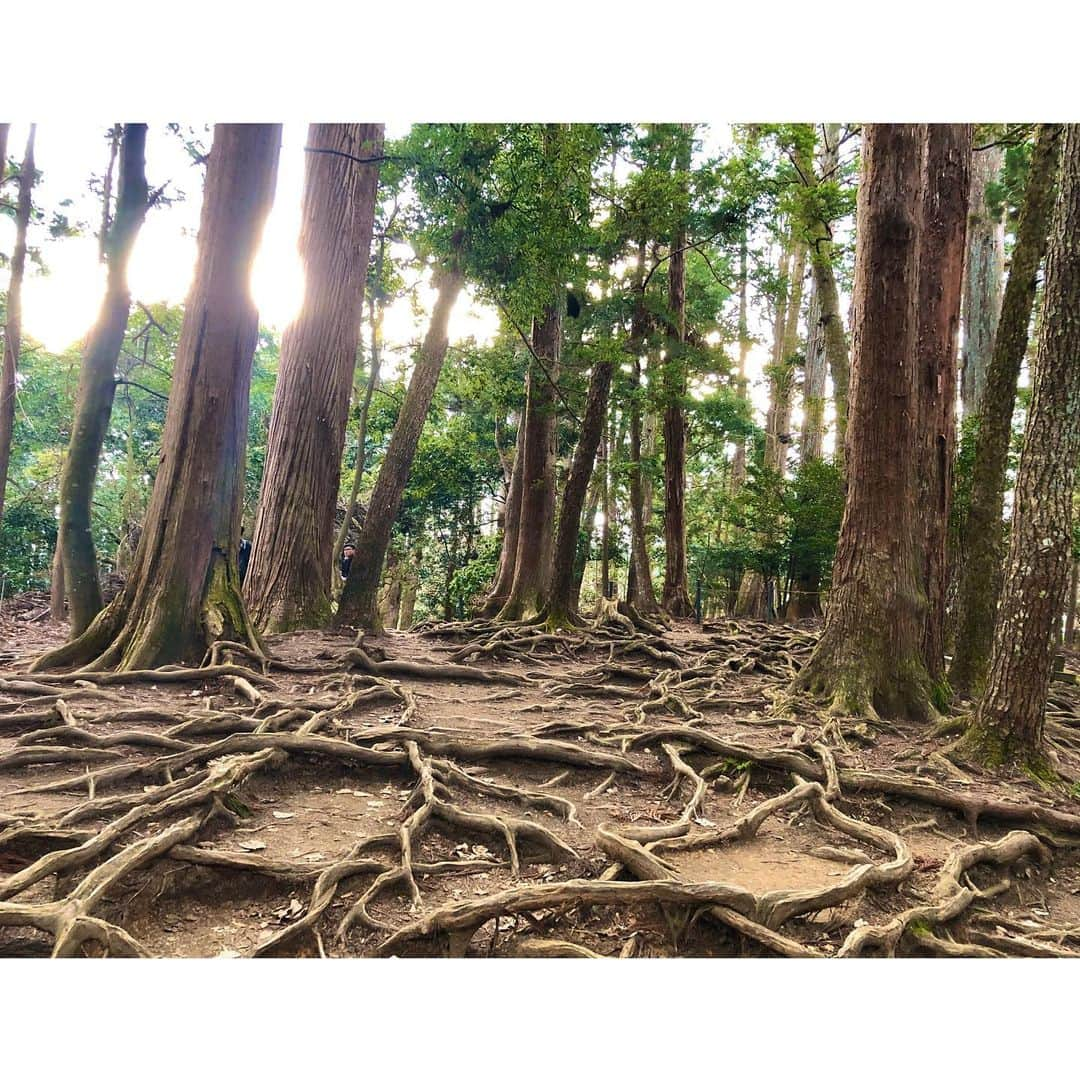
(57, 591)
(359, 599)
(947, 184)
(97, 386)
(1072, 599)
(738, 467)
(983, 529)
(13, 330)
(376, 313)
(183, 591)
(288, 583)
(983, 275)
(813, 429)
(778, 437)
(533, 559)
(410, 588)
(1008, 723)
(504, 577)
(869, 656)
(676, 593)
(562, 600)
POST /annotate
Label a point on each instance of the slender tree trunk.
(869, 657)
(533, 559)
(778, 438)
(562, 601)
(676, 593)
(97, 386)
(410, 589)
(1072, 599)
(504, 577)
(1008, 723)
(183, 591)
(376, 312)
(983, 275)
(983, 529)
(941, 269)
(288, 583)
(57, 609)
(13, 331)
(813, 429)
(738, 467)
(392, 586)
(359, 598)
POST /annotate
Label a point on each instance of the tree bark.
(947, 183)
(533, 557)
(983, 529)
(983, 274)
(359, 599)
(288, 583)
(183, 591)
(1008, 723)
(676, 592)
(13, 331)
(562, 600)
(738, 466)
(813, 429)
(1072, 599)
(504, 577)
(97, 386)
(868, 659)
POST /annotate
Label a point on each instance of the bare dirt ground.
(510, 793)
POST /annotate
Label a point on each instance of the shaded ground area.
(483, 791)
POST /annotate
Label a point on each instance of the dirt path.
(626, 794)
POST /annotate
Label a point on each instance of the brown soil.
(305, 812)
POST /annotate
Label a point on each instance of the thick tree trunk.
(1008, 723)
(183, 591)
(941, 269)
(504, 577)
(983, 529)
(13, 330)
(288, 583)
(533, 558)
(778, 436)
(359, 598)
(983, 274)
(562, 600)
(869, 657)
(97, 386)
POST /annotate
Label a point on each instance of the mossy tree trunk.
(868, 659)
(183, 590)
(562, 598)
(983, 528)
(359, 605)
(97, 386)
(533, 561)
(1008, 723)
(13, 327)
(941, 271)
(983, 275)
(288, 583)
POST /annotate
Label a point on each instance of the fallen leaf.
(252, 845)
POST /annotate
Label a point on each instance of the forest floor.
(462, 791)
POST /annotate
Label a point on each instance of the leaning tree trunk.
(941, 270)
(983, 275)
(535, 543)
(868, 659)
(183, 590)
(1008, 724)
(288, 583)
(983, 529)
(562, 600)
(359, 599)
(97, 386)
(13, 331)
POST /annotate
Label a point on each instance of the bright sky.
(60, 306)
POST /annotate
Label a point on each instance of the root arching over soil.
(617, 789)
